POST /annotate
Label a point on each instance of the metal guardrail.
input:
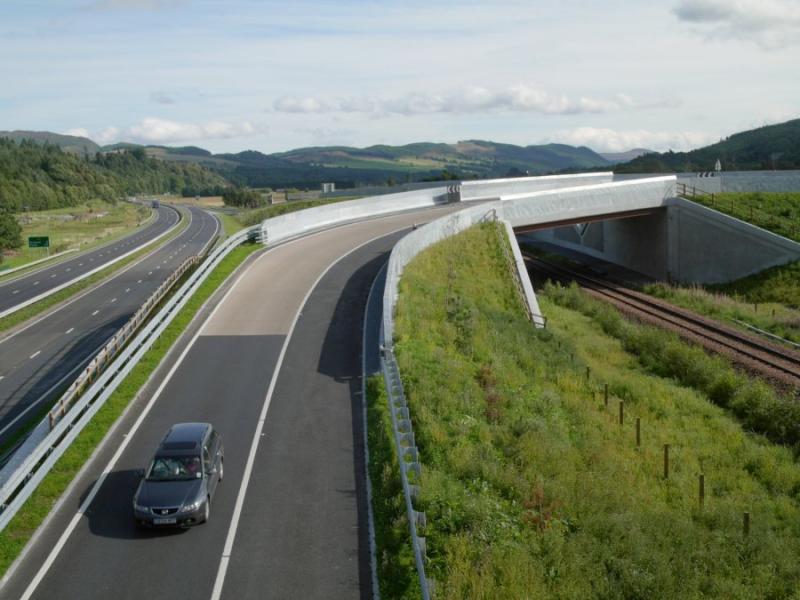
(45, 445)
(408, 459)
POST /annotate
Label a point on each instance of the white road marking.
(15, 292)
(53, 275)
(113, 300)
(69, 269)
(127, 290)
(35, 354)
(140, 281)
(80, 264)
(70, 330)
(2, 377)
(35, 283)
(95, 312)
(248, 469)
(150, 273)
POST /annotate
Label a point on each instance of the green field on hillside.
(77, 227)
(532, 488)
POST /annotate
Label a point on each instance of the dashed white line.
(127, 290)
(95, 312)
(80, 264)
(35, 283)
(69, 269)
(15, 292)
(35, 354)
(140, 281)
(113, 300)
(70, 330)
(53, 275)
(150, 273)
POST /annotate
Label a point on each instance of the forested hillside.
(38, 176)
(770, 147)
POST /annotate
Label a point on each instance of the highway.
(40, 359)
(17, 290)
(276, 368)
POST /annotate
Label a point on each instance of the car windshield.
(174, 468)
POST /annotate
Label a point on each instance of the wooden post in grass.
(702, 489)
(621, 412)
(755, 307)
(666, 461)
(588, 373)
(638, 432)
(605, 393)
(746, 523)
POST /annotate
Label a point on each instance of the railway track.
(755, 354)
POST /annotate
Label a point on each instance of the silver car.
(177, 488)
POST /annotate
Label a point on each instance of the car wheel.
(221, 468)
(207, 511)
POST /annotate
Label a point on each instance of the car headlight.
(193, 506)
(139, 507)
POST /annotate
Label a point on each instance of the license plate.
(165, 521)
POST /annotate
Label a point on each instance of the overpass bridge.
(274, 361)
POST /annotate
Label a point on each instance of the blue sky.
(271, 76)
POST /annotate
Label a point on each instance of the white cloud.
(77, 131)
(771, 24)
(610, 140)
(102, 5)
(466, 100)
(161, 131)
(152, 130)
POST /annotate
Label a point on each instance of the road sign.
(39, 241)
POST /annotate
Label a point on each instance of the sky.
(275, 75)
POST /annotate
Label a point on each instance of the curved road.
(41, 359)
(276, 367)
(26, 287)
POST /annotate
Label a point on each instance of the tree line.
(37, 176)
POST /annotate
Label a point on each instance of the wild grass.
(531, 487)
(778, 212)
(767, 301)
(24, 524)
(16, 318)
(80, 227)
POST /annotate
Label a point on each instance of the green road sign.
(39, 241)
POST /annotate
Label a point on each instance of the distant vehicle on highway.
(155, 204)
(177, 488)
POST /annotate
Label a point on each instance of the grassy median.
(37, 308)
(14, 537)
(533, 488)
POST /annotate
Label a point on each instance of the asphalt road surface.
(40, 360)
(282, 385)
(20, 289)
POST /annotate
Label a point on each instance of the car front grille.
(164, 511)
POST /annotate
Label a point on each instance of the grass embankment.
(44, 304)
(14, 537)
(531, 487)
(78, 227)
(778, 212)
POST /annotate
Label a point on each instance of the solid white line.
(35, 354)
(70, 330)
(216, 593)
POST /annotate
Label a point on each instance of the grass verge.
(14, 537)
(82, 227)
(397, 572)
(532, 487)
(778, 212)
(44, 304)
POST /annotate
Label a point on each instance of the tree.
(10, 232)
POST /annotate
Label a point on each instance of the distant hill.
(769, 147)
(348, 167)
(620, 157)
(70, 143)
